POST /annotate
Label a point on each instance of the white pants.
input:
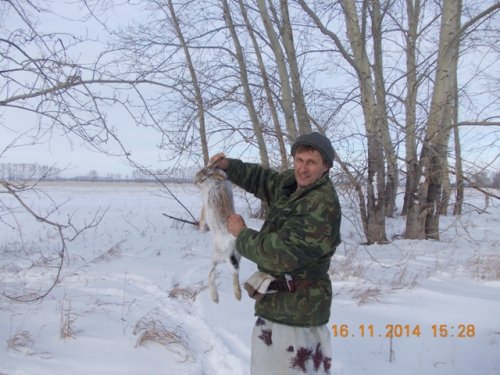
(285, 350)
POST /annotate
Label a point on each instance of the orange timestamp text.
(462, 330)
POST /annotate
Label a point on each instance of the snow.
(133, 297)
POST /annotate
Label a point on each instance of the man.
(292, 251)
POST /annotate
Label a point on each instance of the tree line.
(405, 89)
(28, 172)
(33, 172)
(37, 172)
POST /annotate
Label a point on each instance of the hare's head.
(209, 174)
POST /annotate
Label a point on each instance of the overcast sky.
(69, 152)
(66, 151)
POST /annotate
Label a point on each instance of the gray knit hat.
(319, 142)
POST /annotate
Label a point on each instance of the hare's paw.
(211, 284)
(214, 295)
(237, 293)
(236, 286)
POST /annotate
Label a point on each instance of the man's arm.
(255, 179)
(307, 235)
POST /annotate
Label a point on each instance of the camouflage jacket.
(298, 238)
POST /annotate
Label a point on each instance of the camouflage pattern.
(298, 238)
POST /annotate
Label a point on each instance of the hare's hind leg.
(236, 285)
(211, 284)
(235, 262)
(202, 223)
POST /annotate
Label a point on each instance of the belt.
(291, 285)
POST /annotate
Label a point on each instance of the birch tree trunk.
(459, 173)
(374, 129)
(267, 88)
(373, 113)
(451, 120)
(194, 80)
(286, 92)
(304, 123)
(411, 159)
(254, 118)
(449, 123)
(423, 218)
(391, 183)
(445, 196)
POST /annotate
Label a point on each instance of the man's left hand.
(235, 224)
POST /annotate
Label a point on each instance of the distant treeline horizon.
(36, 172)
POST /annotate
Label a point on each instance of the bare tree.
(379, 146)
(423, 218)
(43, 79)
(286, 96)
(304, 123)
(269, 95)
(245, 83)
(198, 98)
(459, 173)
(36, 261)
(413, 12)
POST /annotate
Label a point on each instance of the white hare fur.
(218, 204)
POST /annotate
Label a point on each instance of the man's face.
(308, 166)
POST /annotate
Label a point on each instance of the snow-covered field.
(133, 300)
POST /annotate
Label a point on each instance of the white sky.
(77, 159)
(69, 152)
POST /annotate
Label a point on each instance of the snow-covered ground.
(133, 300)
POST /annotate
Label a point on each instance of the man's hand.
(219, 161)
(235, 224)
